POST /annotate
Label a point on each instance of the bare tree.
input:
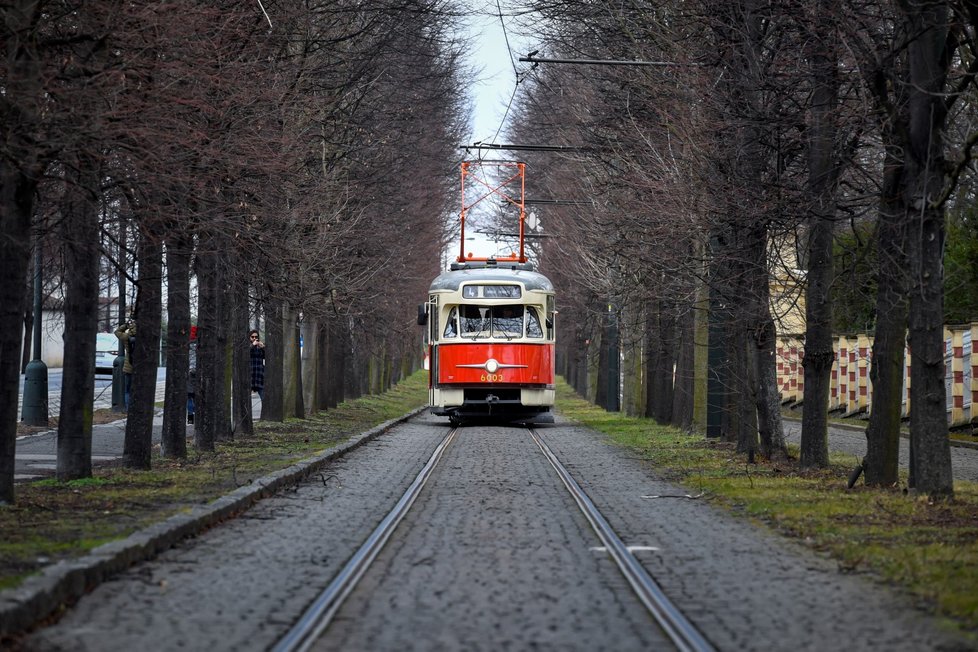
(925, 69)
(21, 167)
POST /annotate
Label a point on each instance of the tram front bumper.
(447, 397)
(536, 397)
(488, 400)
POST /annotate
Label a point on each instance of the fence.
(851, 392)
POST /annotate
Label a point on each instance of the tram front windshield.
(491, 321)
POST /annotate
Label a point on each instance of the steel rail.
(676, 626)
(318, 616)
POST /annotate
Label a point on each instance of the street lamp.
(34, 411)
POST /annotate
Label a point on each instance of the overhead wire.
(506, 38)
(516, 73)
(519, 77)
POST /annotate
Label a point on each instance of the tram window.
(474, 320)
(533, 328)
(451, 330)
(507, 321)
(551, 312)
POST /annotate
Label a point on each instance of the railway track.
(316, 619)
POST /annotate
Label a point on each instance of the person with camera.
(126, 332)
(257, 364)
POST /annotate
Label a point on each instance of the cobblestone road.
(746, 589)
(241, 585)
(493, 556)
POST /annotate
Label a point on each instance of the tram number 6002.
(491, 378)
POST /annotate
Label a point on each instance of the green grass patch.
(54, 520)
(75, 484)
(929, 549)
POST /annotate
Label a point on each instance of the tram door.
(431, 337)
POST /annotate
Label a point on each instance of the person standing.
(126, 332)
(257, 364)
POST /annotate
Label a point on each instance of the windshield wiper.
(503, 333)
(482, 328)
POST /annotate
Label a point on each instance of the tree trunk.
(331, 371)
(81, 255)
(20, 171)
(322, 392)
(684, 402)
(734, 312)
(581, 359)
(174, 437)
(225, 343)
(25, 355)
(354, 364)
(660, 343)
(298, 406)
(601, 389)
(717, 360)
(928, 407)
(923, 184)
(16, 207)
(242, 418)
(773, 445)
(310, 365)
(890, 338)
(608, 362)
(138, 446)
(339, 348)
(743, 407)
(764, 355)
(207, 391)
(822, 184)
(667, 361)
(273, 403)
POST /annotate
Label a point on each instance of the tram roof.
(467, 273)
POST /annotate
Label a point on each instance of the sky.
(490, 92)
(493, 86)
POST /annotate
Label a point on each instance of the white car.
(106, 350)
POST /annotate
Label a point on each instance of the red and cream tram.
(490, 336)
(491, 342)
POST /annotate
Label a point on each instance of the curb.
(40, 595)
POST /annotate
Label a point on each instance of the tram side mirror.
(550, 322)
(422, 314)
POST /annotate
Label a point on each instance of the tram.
(490, 334)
